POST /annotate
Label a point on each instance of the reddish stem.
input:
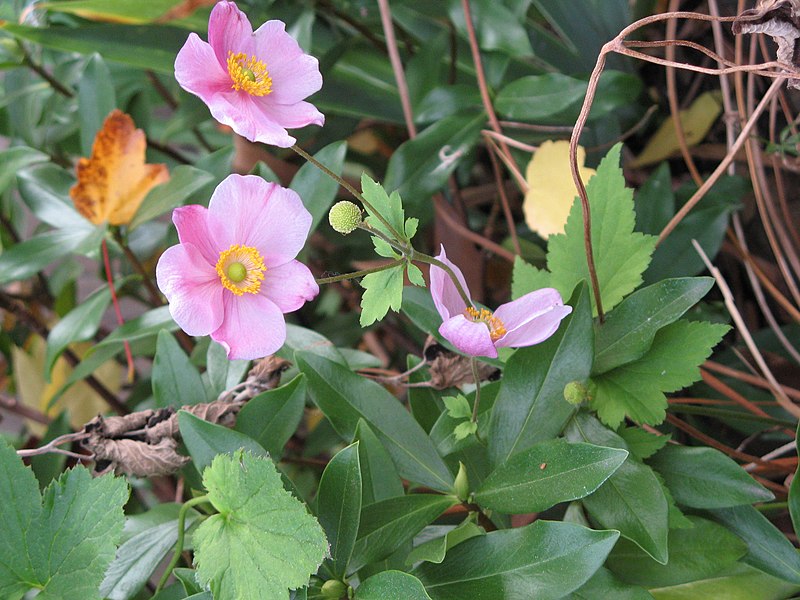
(117, 311)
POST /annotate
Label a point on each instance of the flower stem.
(362, 273)
(349, 188)
(117, 311)
(476, 376)
(430, 260)
(181, 533)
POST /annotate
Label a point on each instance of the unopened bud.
(461, 485)
(344, 217)
(333, 589)
(576, 393)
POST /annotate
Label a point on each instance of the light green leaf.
(526, 278)
(13, 160)
(457, 406)
(636, 389)
(60, 542)
(45, 190)
(412, 224)
(263, 541)
(741, 582)
(382, 290)
(391, 585)
(96, 99)
(27, 258)
(620, 254)
(641, 443)
(545, 560)
(464, 430)
(389, 207)
(415, 275)
(548, 473)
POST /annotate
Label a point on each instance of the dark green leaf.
(386, 524)
(706, 478)
(794, 493)
(31, 256)
(548, 473)
(80, 324)
(631, 500)
(545, 560)
(273, 416)
(391, 585)
(698, 552)
(629, 329)
(345, 397)
(176, 381)
(497, 28)
(767, 547)
(48, 466)
(206, 440)
(183, 182)
(604, 585)
(96, 99)
(45, 190)
(641, 443)
(420, 167)
(378, 475)
(530, 407)
(302, 339)
(540, 97)
(339, 506)
(435, 550)
(740, 582)
(13, 160)
(314, 187)
(149, 324)
(222, 373)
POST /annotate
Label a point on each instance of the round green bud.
(576, 393)
(333, 589)
(344, 217)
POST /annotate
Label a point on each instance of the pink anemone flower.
(253, 81)
(233, 275)
(480, 332)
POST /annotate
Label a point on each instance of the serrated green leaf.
(694, 553)
(273, 416)
(706, 478)
(382, 290)
(527, 278)
(412, 224)
(415, 275)
(632, 499)
(391, 585)
(641, 443)
(176, 381)
(636, 389)
(629, 329)
(457, 406)
(464, 430)
(62, 541)
(382, 248)
(390, 207)
(548, 473)
(620, 254)
(263, 541)
(339, 506)
(545, 560)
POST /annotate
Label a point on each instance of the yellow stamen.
(249, 74)
(241, 269)
(495, 325)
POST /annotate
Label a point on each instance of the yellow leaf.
(114, 181)
(82, 402)
(551, 190)
(695, 121)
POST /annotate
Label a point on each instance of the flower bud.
(333, 589)
(461, 485)
(576, 393)
(344, 217)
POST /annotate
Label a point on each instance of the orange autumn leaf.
(114, 181)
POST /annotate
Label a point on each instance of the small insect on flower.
(255, 82)
(526, 321)
(233, 275)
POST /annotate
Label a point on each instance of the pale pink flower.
(253, 81)
(480, 332)
(233, 275)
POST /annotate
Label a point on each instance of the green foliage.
(382, 291)
(176, 381)
(61, 541)
(263, 541)
(391, 585)
(636, 389)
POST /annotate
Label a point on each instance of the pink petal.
(468, 337)
(532, 318)
(229, 30)
(192, 287)
(198, 72)
(247, 210)
(253, 327)
(289, 286)
(295, 75)
(444, 292)
(192, 224)
(290, 116)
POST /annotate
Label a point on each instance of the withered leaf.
(115, 180)
(449, 369)
(780, 19)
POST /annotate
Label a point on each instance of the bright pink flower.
(478, 332)
(233, 275)
(253, 81)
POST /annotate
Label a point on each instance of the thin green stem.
(181, 534)
(356, 274)
(349, 188)
(430, 260)
(401, 248)
(477, 378)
